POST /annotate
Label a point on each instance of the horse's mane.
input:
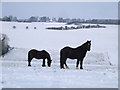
(82, 46)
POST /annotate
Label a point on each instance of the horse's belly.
(72, 57)
(38, 57)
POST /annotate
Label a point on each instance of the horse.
(39, 55)
(74, 53)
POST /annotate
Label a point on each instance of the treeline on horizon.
(61, 20)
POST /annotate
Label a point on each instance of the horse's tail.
(28, 56)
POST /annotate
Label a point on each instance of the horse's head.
(88, 45)
(49, 63)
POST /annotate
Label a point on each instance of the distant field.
(100, 64)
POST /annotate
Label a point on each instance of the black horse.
(39, 55)
(74, 53)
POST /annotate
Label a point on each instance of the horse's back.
(44, 52)
(38, 54)
(67, 51)
(72, 53)
(66, 48)
(33, 50)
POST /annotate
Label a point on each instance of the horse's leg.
(62, 65)
(61, 62)
(29, 61)
(77, 63)
(81, 63)
(66, 65)
(43, 65)
(30, 57)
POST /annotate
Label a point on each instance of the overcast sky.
(84, 10)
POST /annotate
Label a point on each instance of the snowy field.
(100, 66)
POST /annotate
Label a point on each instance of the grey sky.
(85, 10)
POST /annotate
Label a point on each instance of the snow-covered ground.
(100, 64)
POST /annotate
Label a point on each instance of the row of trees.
(75, 27)
(60, 19)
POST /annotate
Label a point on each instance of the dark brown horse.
(74, 53)
(39, 55)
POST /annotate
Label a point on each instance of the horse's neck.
(82, 47)
(48, 57)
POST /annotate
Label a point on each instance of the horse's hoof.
(67, 67)
(81, 68)
(62, 68)
(76, 67)
(43, 65)
(29, 65)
